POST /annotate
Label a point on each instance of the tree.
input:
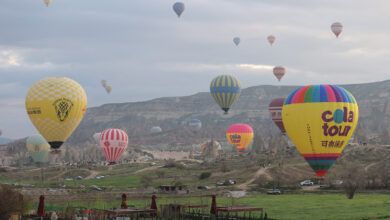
(160, 173)
(146, 181)
(353, 180)
(258, 143)
(12, 202)
(385, 138)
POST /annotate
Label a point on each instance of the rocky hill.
(172, 115)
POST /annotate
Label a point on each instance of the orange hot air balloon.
(240, 135)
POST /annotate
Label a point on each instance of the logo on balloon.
(107, 144)
(63, 107)
(338, 116)
(236, 138)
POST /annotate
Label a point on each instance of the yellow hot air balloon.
(320, 120)
(47, 2)
(56, 106)
(240, 135)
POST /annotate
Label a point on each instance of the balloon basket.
(56, 151)
(111, 163)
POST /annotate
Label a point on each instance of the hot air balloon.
(37, 147)
(96, 137)
(156, 129)
(113, 143)
(56, 106)
(320, 120)
(236, 41)
(195, 124)
(279, 72)
(271, 39)
(47, 2)
(275, 110)
(178, 7)
(1, 132)
(240, 135)
(108, 89)
(336, 28)
(225, 90)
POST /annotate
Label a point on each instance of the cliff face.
(172, 115)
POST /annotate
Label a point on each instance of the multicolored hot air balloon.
(225, 90)
(336, 28)
(236, 41)
(113, 143)
(56, 106)
(275, 110)
(96, 137)
(320, 120)
(271, 39)
(195, 124)
(37, 147)
(279, 72)
(47, 2)
(178, 8)
(240, 135)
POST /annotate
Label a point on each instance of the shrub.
(160, 173)
(204, 175)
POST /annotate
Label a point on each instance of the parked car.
(203, 187)
(221, 183)
(274, 192)
(232, 182)
(307, 183)
(79, 178)
(96, 188)
(99, 177)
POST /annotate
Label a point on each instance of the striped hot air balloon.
(113, 143)
(336, 28)
(275, 110)
(279, 72)
(225, 90)
(240, 135)
(320, 120)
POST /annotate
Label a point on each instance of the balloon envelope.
(178, 8)
(47, 2)
(271, 39)
(1, 132)
(113, 143)
(195, 124)
(240, 135)
(320, 120)
(275, 111)
(225, 90)
(37, 147)
(279, 72)
(236, 41)
(56, 106)
(336, 28)
(108, 89)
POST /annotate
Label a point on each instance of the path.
(147, 169)
(261, 171)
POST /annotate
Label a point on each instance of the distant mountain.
(5, 140)
(172, 115)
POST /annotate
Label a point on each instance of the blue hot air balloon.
(225, 89)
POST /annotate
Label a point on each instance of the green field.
(290, 206)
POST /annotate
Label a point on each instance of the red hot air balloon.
(271, 39)
(113, 143)
(275, 110)
(279, 72)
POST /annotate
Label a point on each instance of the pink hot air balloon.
(271, 39)
(113, 143)
(279, 72)
(275, 110)
(336, 28)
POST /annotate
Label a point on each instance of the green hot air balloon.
(38, 148)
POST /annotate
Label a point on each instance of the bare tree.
(353, 180)
(258, 143)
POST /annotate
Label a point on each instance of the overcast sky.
(145, 51)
